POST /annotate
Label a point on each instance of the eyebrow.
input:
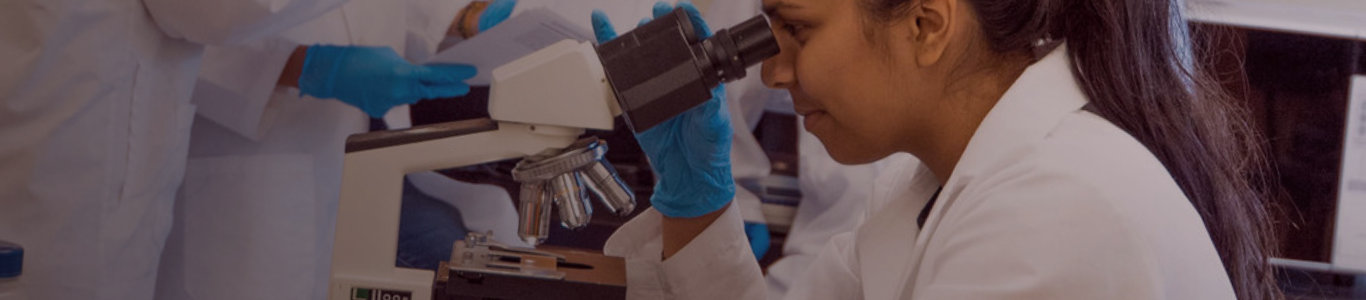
(771, 10)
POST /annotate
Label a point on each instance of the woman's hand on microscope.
(690, 152)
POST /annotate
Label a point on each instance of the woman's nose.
(778, 71)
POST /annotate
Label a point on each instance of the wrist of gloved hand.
(695, 194)
(318, 76)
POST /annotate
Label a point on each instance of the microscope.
(540, 107)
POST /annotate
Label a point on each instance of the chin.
(851, 154)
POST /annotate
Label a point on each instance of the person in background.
(96, 120)
(256, 214)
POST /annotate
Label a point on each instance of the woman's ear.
(931, 25)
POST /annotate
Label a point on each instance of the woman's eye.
(797, 31)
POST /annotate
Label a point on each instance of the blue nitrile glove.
(690, 152)
(497, 12)
(758, 238)
(376, 79)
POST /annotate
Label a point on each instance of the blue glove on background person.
(690, 153)
(376, 79)
(497, 12)
(757, 233)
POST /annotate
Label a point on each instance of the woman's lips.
(812, 118)
(813, 114)
(803, 108)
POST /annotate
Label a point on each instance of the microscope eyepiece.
(731, 50)
(754, 38)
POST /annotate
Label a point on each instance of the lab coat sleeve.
(749, 163)
(214, 22)
(236, 84)
(717, 264)
(428, 21)
(1039, 237)
(484, 207)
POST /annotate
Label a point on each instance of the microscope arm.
(372, 181)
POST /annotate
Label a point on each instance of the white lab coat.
(256, 215)
(96, 121)
(1048, 201)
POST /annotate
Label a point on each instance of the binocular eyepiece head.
(663, 68)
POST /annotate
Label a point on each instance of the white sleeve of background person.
(746, 99)
(236, 83)
(483, 207)
(624, 14)
(749, 163)
(233, 21)
(428, 22)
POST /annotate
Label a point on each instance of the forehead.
(803, 7)
(773, 6)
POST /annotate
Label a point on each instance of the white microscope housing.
(542, 101)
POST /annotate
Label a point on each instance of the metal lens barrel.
(534, 216)
(575, 211)
(601, 179)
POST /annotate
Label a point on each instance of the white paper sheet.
(520, 35)
(1349, 242)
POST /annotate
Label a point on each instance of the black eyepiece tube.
(754, 40)
(731, 50)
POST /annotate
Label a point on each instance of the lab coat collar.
(1034, 105)
(1031, 108)
(884, 239)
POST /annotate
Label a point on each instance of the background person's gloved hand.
(497, 12)
(757, 233)
(690, 152)
(376, 79)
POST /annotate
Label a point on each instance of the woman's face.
(865, 94)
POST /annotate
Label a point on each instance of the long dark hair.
(1133, 59)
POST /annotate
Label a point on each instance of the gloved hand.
(497, 12)
(690, 152)
(376, 79)
(757, 233)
